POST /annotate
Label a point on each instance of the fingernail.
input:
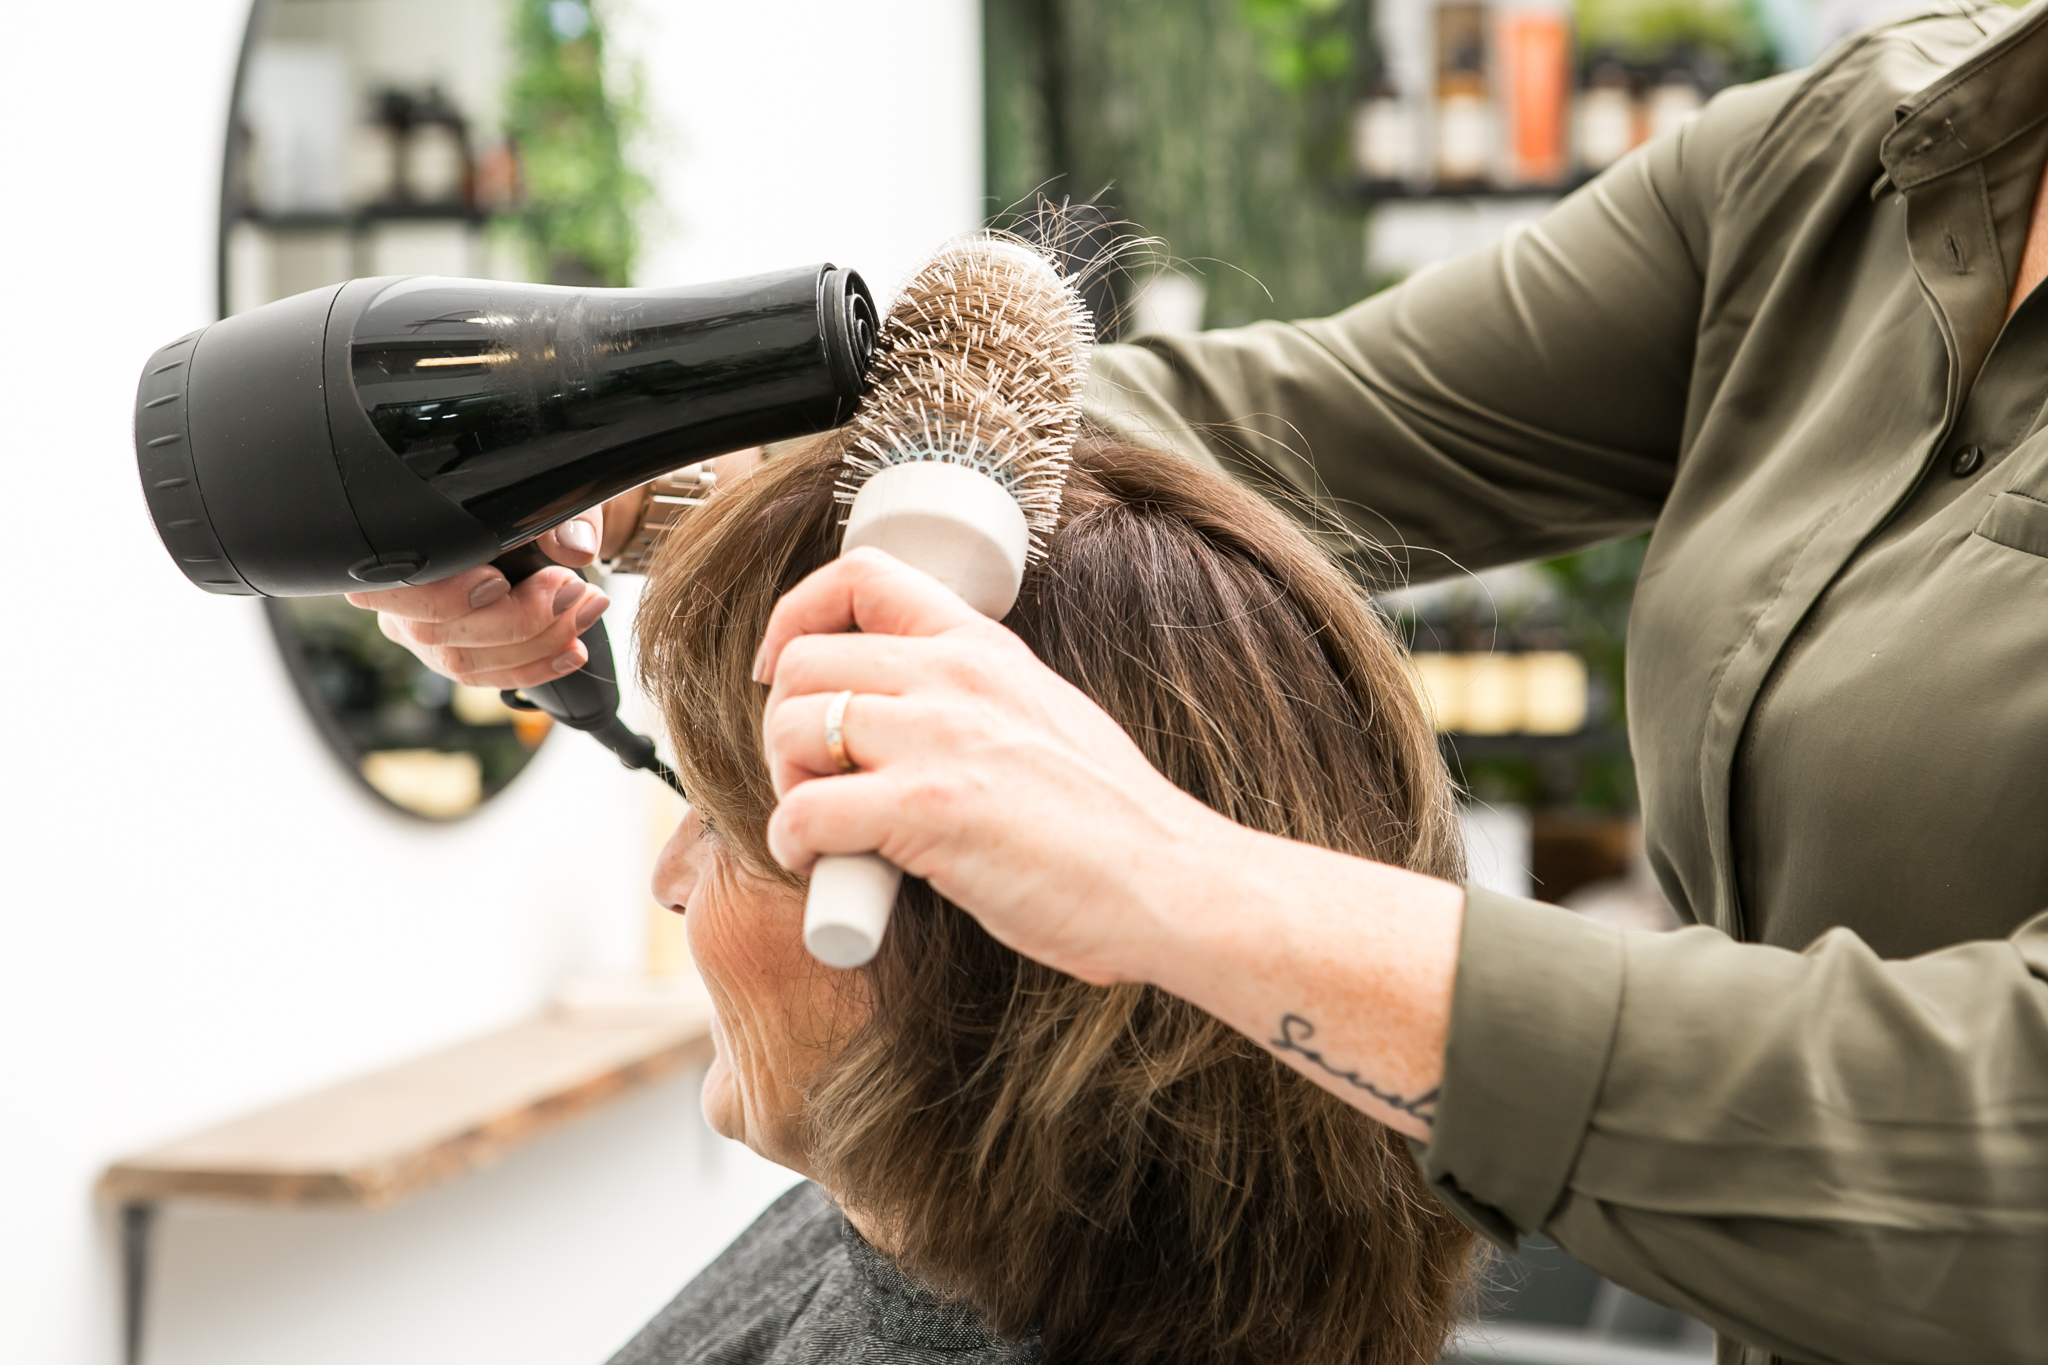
(567, 595)
(592, 609)
(566, 663)
(761, 663)
(577, 536)
(487, 592)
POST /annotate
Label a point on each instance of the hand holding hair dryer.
(406, 428)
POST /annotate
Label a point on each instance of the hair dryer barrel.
(404, 429)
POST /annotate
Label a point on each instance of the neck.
(2034, 260)
(872, 1230)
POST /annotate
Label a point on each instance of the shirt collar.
(1996, 93)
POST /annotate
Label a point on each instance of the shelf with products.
(1401, 191)
(1599, 741)
(357, 219)
(349, 155)
(410, 154)
(1523, 667)
(1461, 100)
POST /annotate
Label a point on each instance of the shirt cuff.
(1532, 1021)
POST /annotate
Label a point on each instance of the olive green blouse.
(1819, 1121)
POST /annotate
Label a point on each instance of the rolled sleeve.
(1532, 1025)
(1757, 1136)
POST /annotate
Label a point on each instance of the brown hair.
(1110, 1165)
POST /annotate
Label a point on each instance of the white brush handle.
(964, 529)
(847, 911)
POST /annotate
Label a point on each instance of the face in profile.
(777, 1010)
(1105, 1166)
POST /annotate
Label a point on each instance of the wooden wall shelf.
(380, 1138)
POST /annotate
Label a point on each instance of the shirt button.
(1966, 461)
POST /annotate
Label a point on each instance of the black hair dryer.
(403, 429)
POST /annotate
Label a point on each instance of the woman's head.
(1106, 1164)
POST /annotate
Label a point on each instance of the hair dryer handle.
(588, 699)
(847, 910)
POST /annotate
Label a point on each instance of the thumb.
(574, 543)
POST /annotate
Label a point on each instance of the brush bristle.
(979, 363)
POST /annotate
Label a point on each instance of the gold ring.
(835, 725)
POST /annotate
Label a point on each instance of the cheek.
(720, 1098)
(746, 935)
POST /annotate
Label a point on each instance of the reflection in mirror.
(425, 744)
(368, 140)
(399, 137)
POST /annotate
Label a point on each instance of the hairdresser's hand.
(983, 771)
(1020, 800)
(478, 629)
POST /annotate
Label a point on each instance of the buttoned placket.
(1933, 160)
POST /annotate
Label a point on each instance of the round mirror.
(426, 745)
(417, 137)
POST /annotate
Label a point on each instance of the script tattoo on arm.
(1295, 1033)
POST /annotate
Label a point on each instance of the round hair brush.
(954, 465)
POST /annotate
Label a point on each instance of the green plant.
(1168, 115)
(582, 196)
(1595, 588)
(1302, 43)
(1650, 30)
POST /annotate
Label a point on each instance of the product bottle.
(500, 179)
(1676, 98)
(1608, 114)
(1383, 136)
(439, 168)
(1464, 101)
(376, 151)
(1533, 43)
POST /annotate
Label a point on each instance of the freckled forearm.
(1343, 967)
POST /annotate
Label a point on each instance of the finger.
(849, 814)
(443, 601)
(532, 609)
(873, 729)
(548, 655)
(866, 588)
(535, 674)
(575, 541)
(892, 664)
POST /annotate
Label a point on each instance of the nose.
(677, 870)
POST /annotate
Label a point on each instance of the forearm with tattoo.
(1295, 1032)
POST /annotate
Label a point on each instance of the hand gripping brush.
(954, 465)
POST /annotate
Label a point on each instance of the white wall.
(201, 912)
(808, 130)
